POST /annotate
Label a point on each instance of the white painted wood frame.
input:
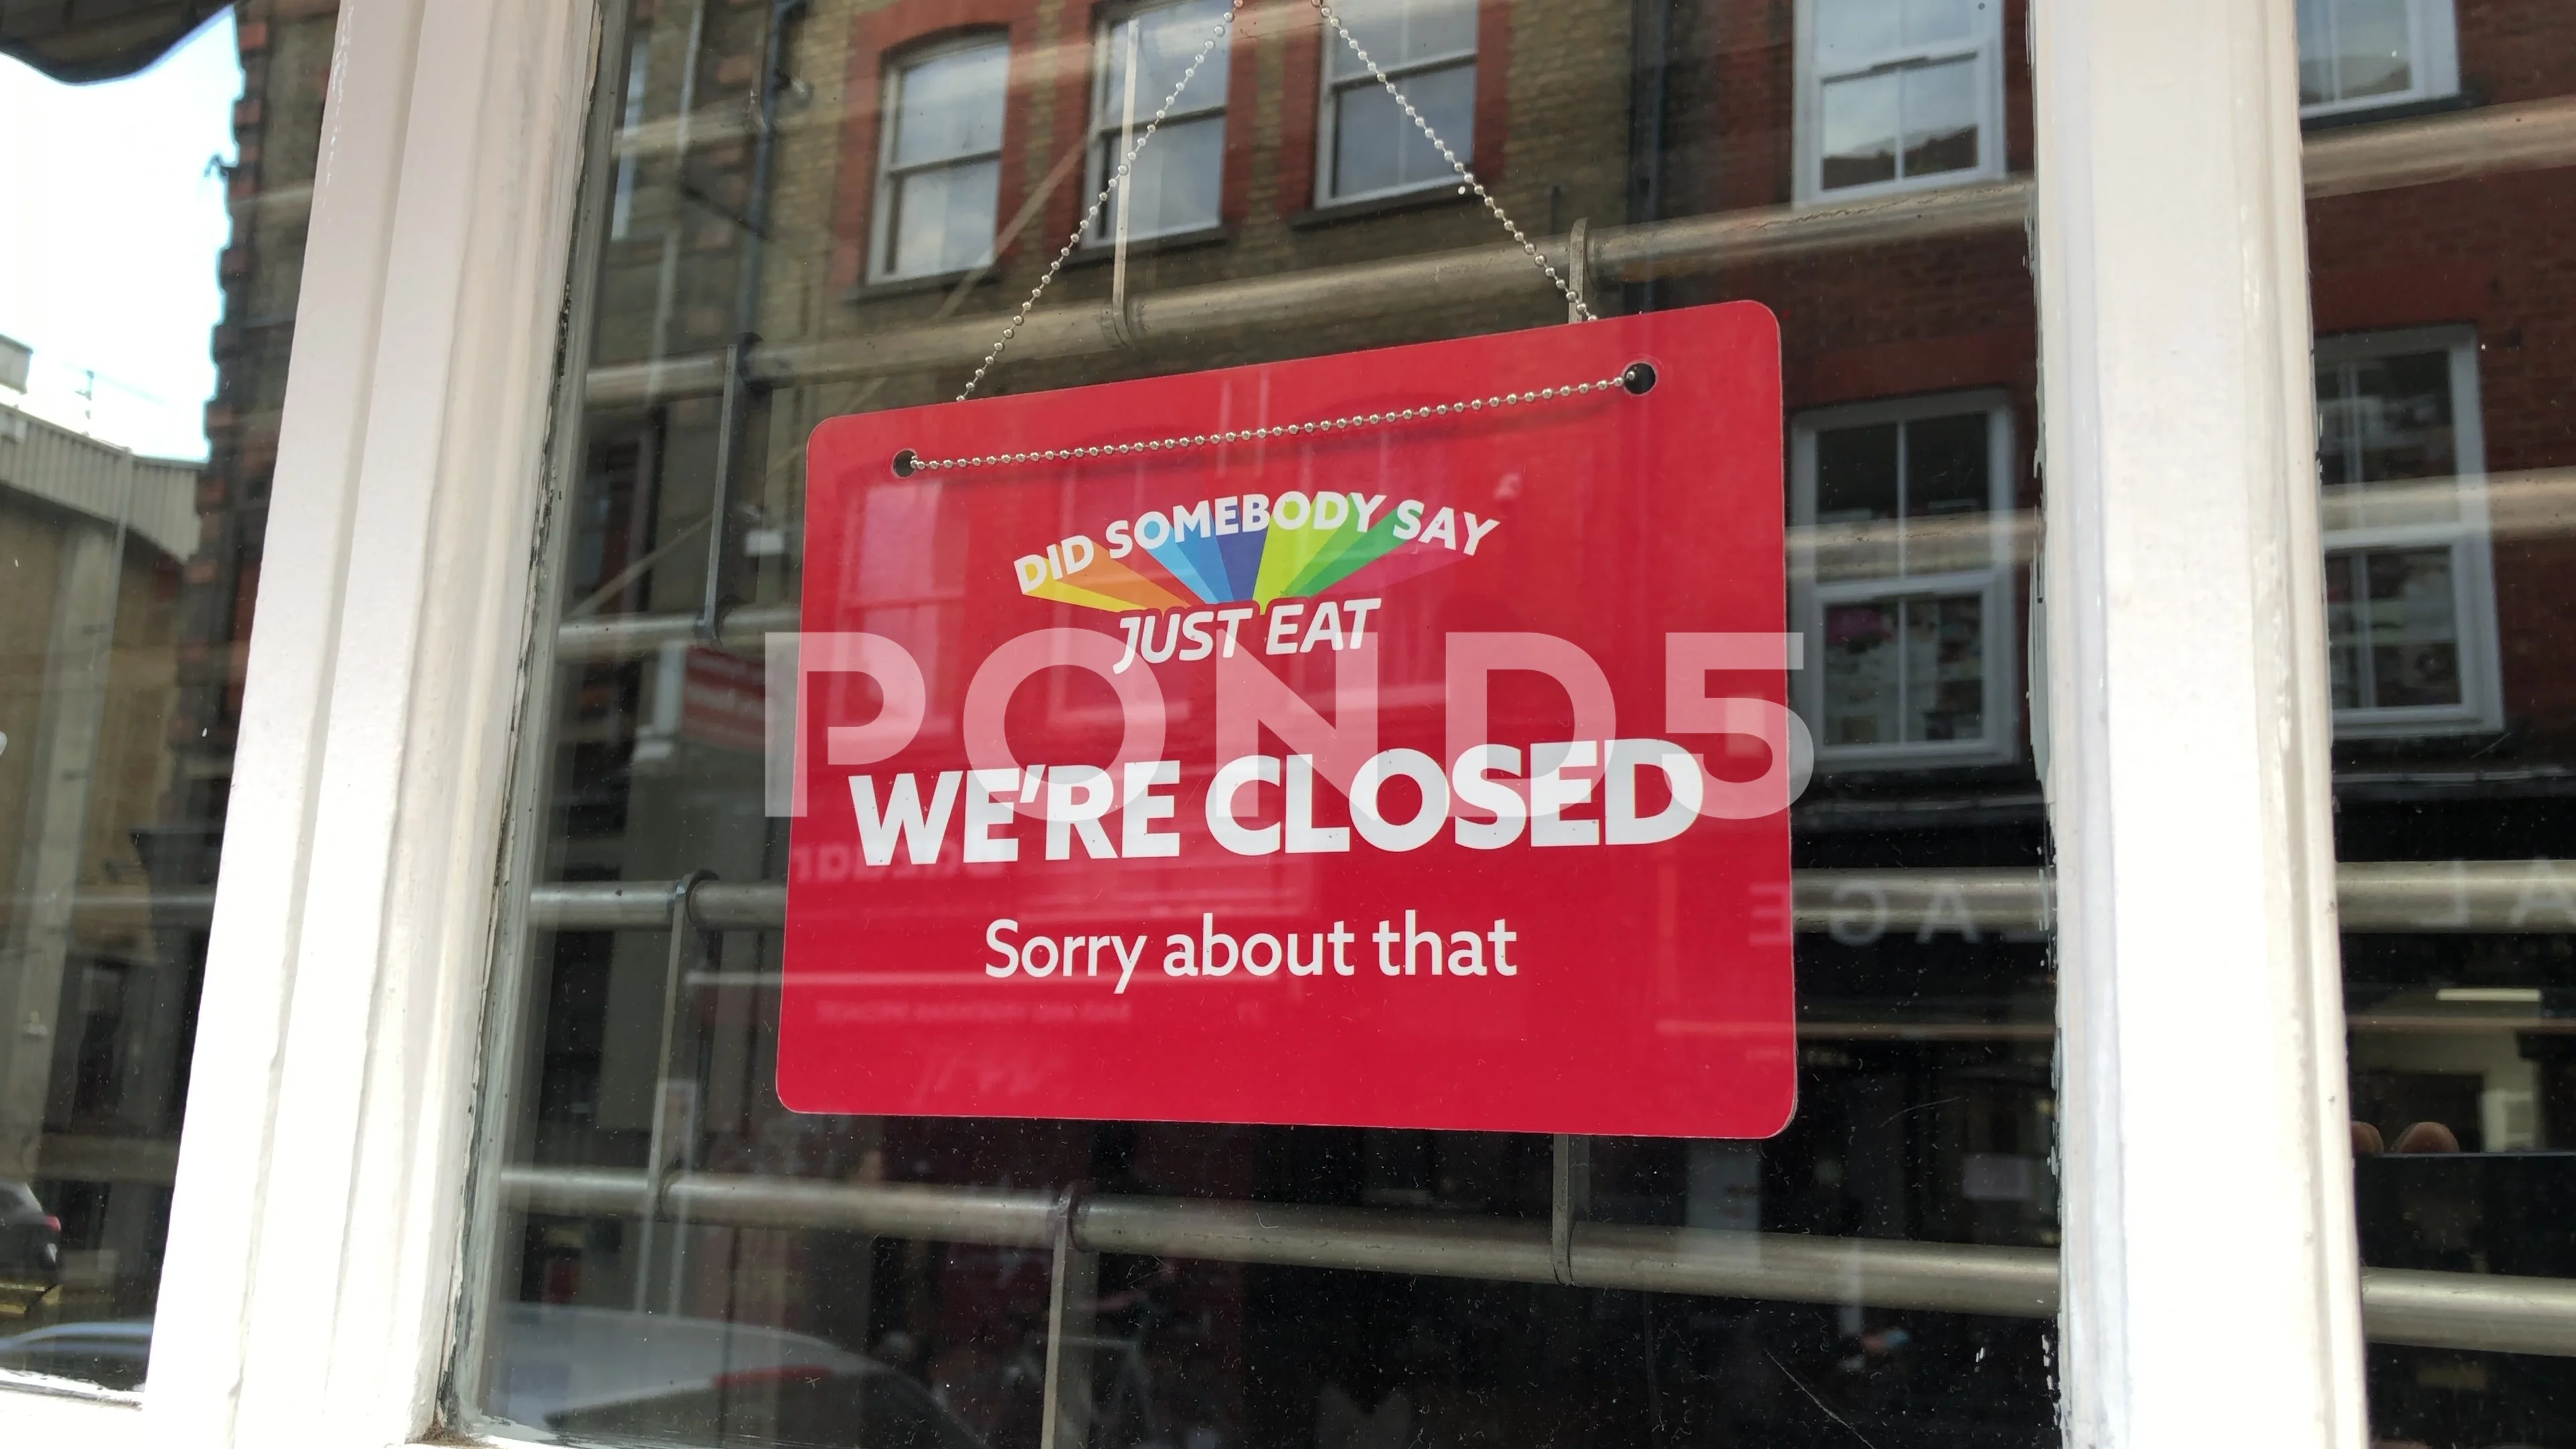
(2211, 1280)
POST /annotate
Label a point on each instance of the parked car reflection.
(111, 1354)
(31, 1249)
(615, 1373)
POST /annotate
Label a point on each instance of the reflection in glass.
(1175, 180)
(1908, 671)
(156, 216)
(1167, 39)
(156, 213)
(1940, 118)
(1920, 120)
(2392, 621)
(1376, 147)
(1905, 612)
(1858, 32)
(1947, 471)
(2355, 49)
(1401, 33)
(950, 106)
(2406, 603)
(2445, 452)
(2386, 418)
(1857, 474)
(943, 219)
(641, 1048)
(1860, 129)
(1901, 89)
(943, 176)
(1931, 21)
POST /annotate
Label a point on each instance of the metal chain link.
(1225, 23)
(1467, 179)
(1091, 213)
(1636, 378)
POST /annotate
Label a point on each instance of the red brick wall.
(1745, 89)
(2491, 253)
(2516, 50)
(888, 32)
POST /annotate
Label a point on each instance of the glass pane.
(1945, 669)
(1940, 117)
(1377, 148)
(1939, 22)
(1856, 473)
(1946, 469)
(1905, 671)
(2316, 52)
(671, 1254)
(2394, 421)
(2388, 444)
(951, 105)
(1398, 33)
(944, 218)
(1860, 129)
(1176, 180)
(1172, 37)
(2395, 620)
(149, 272)
(1852, 33)
(2373, 50)
(1864, 682)
(2449, 634)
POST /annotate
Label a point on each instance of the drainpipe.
(738, 385)
(1649, 95)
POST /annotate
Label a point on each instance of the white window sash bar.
(2211, 1275)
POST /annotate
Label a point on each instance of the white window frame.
(1811, 596)
(2186, 737)
(314, 1263)
(1109, 117)
(1328, 110)
(2466, 535)
(2433, 35)
(1986, 45)
(881, 214)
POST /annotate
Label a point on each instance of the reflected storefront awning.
(79, 41)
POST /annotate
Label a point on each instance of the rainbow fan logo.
(1219, 561)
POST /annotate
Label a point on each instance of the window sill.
(1811, 200)
(1861, 766)
(2397, 725)
(892, 287)
(1093, 254)
(1367, 208)
(2401, 110)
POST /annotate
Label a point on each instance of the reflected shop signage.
(1395, 739)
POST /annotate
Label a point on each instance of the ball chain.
(1466, 179)
(1467, 182)
(1091, 213)
(1635, 378)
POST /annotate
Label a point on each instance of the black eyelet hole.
(905, 462)
(1639, 379)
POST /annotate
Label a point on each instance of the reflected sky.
(115, 219)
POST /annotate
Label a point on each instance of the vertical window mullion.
(2200, 976)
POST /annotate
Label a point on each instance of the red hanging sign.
(1396, 739)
